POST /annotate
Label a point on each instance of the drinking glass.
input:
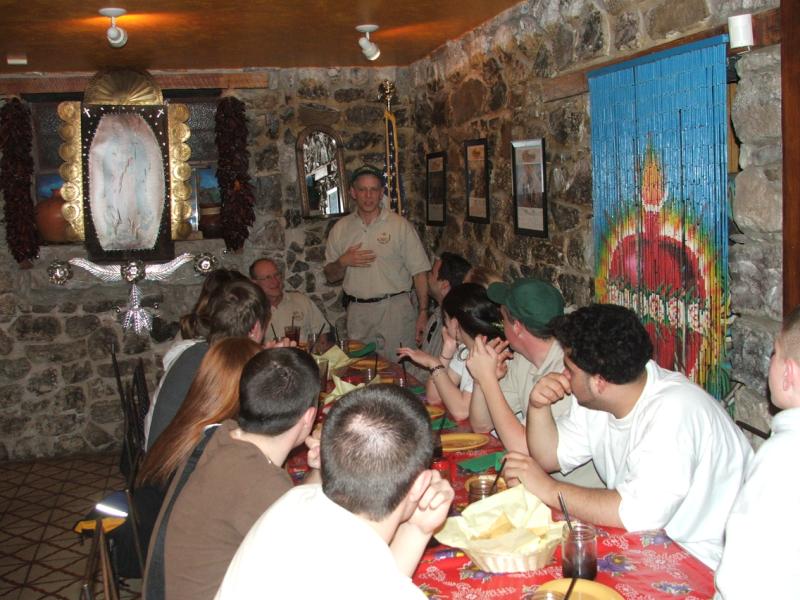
(292, 332)
(322, 365)
(579, 551)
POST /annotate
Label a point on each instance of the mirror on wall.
(320, 172)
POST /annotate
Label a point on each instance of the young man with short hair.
(238, 309)
(761, 536)
(362, 532)
(668, 452)
(237, 477)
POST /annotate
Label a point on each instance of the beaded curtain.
(659, 158)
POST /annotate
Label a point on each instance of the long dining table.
(637, 565)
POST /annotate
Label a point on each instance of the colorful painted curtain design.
(659, 157)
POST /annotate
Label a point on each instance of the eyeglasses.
(267, 277)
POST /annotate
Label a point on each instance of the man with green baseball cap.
(527, 305)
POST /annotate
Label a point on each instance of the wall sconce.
(740, 31)
(368, 47)
(116, 36)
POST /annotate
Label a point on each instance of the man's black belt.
(348, 298)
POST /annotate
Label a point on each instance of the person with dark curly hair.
(668, 452)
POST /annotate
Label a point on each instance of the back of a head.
(483, 276)
(278, 385)
(236, 308)
(196, 323)
(606, 340)
(453, 268)
(375, 442)
(469, 304)
(212, 398)
(790, 335)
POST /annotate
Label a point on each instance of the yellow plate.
(583, 590)
(434, 411)
(456, 442)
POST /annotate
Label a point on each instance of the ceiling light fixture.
(117, 36)
(368, 47)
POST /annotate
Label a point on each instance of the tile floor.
(40, 501)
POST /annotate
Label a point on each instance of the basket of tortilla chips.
(509, 532)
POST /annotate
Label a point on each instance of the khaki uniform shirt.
(306, 315)
(399, 254)
(522, 376)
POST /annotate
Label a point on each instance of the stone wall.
(756, 252)
(57, 395)
(57, 390)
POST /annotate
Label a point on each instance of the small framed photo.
(436, 188)
(476, 169)
(530, 197)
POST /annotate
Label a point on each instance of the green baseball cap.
(367, 170)
(533, 301)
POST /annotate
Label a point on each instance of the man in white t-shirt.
(762, 553)
(287, 308)
(669, 453)
(362, 532)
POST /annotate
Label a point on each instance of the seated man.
(761, 534)
(238, 309)
(286, 308)
(362, 532)
(237, 477)
(527, 306)
(669, 453)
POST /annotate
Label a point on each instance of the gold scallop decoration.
(180, 170)
(71, 170)
(122, 86)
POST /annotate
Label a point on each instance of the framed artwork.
(530, 197)
(436, 188)
(476, 172)
(126, 182)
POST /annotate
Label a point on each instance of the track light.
(116, 36)
(368, 47)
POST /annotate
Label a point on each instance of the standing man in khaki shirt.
(378, 256)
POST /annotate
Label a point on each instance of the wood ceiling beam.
(766, 32)
(53, 83)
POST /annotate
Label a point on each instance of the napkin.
(336, 358)
(361, 352)
(416, 389)
(510, 522)
(483, 463)
(437, 424)
(340, 388)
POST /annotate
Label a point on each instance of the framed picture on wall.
(476, 174)
(530, 197)
(436, 188)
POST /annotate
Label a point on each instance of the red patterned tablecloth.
(638, 566)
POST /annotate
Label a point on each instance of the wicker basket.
(513, 563)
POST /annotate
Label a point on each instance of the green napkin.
(416, 389)
(437, 424)
(368, 349)
(479, 464)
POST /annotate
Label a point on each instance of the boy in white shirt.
(762, 551)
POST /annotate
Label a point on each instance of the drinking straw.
(405, 375)
(563, 504)
(570, 588)
(497, 478)
(316, 342)
(274, 334)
